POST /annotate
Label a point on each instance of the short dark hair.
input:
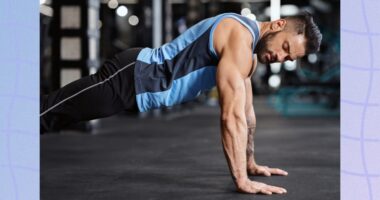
(304, 24)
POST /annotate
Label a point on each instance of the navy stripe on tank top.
(180, 70)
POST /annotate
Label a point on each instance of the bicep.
(231, 88)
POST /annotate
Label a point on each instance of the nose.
(281, 56)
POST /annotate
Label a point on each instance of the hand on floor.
(265, 171)
(248, 186)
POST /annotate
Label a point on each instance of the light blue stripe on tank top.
(183, 89)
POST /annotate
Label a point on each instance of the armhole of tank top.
(211, 40)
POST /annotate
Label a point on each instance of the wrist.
(241, 181)
(240, 176)
(251, 163)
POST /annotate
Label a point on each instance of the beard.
(262, 48)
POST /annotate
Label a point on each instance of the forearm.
(234, 139)
(251, 145)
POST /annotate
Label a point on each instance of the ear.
(278, 25)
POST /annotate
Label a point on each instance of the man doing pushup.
(221, 51)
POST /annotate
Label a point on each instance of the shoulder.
(233, 45)
(229, 32)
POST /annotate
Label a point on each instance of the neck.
(264, 28)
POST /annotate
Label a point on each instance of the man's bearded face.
(280, 47)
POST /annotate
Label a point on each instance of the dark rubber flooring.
(180, 156)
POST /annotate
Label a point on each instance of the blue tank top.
(180, 70)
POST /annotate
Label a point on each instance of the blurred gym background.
(175, 153)
(77, 36)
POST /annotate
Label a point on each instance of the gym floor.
(180, 156)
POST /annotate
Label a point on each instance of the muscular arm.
(233, 122)
(233, 68)
(231, 71)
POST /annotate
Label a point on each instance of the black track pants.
(103, 94)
